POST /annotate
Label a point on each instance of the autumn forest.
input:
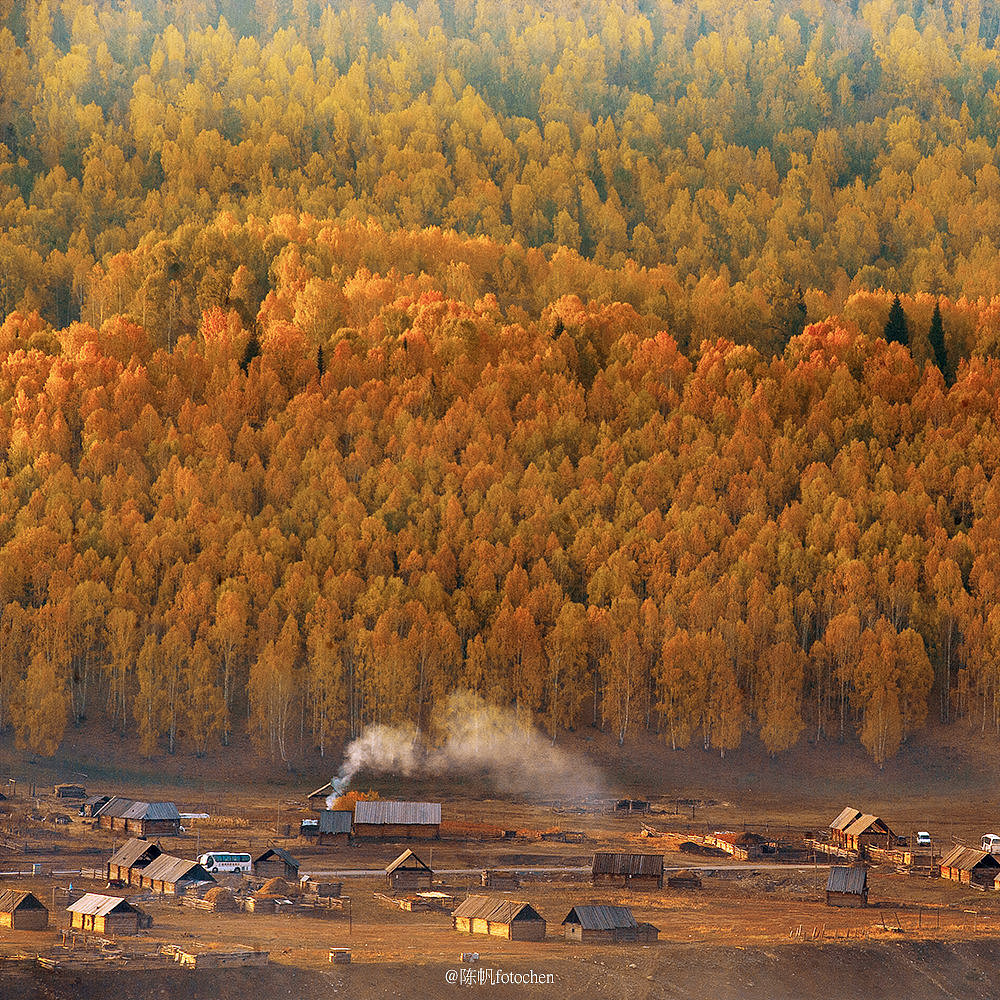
(631, 364)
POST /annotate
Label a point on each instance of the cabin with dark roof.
(600, 924)
(276, 862)
(68, 790)
(498, 916)
(92, 806)
(381, 820)
(140, 819)
(334, 827)
(22, 911)
(408, 872)
(127, 863)
(966, 865)
(317, 799)
(847, 885)
(628, 871)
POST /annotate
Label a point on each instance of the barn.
(170, 876)
(22, 911)
(408, 872)
(844, 819)
(597, 924)
(334, 826)
(105, 914)
(397, 820)
(628, 871)
(127, 863)
(847, 886)
(868, 831)
(276, 862)
(140, 819)
(499, 917)
(967, 865)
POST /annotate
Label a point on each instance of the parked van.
(923, 838)
(991, 843)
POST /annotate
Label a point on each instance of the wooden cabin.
(276, 862)
(397, 820)
(317, 799)
(847, 885)
(868, 831)
(70, 791)
(408, 872)
(22, 911)
(90, 807)
(742, 846)
(127, 863)
(628, 871)
(498, 916)
(102, 914)
(140, 819)
(966, 865)
(598, 924)
(844, 819)
(334, 827)
(170, 876)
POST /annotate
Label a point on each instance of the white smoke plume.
(472, 739)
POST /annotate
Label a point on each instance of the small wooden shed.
(844, 819)
(967, 865)
(22, 911)
(334, 827)
(497, 916)
(743, 846)
(408, 872)
(628, 871)
(90, 807)
(170, 876)
(847, 885)
(276, 862)
(600, 924)
(102, 914)
(127, 863)
(382, 820)
(317, 799)
(70, 791)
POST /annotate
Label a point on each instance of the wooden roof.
(851, 879)
(322, 792)
(864, 824)
(167, 868)
(121, 808)
(845, 818)
(968, 858)
(619, 863)
(278, 852)
(134, 850)
(601, 918)
(19, 899)
(496, 909)
(335, 820)
(408, 861)
(99, 905)
(379, 812)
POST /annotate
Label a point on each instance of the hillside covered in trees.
(353, 355)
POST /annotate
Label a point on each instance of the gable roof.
(120, 808)
(408, 861)
(335, 820)
(621, 863)
(167, 868)
(323, 791)
(134, 850)
(278, 852)
(99, 905)
(968, 858)
(864, 824)
(14, 899)
(601, 918)
(845, 818)
(852, 879)
(496, 909)
(398, 813)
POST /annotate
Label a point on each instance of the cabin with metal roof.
(102, 914)
(601, 924)
(408, 872)
(127, 863)
(844, 819)
(628, 871)
(868, 831)
(847, 885)
(91, 806)
(968, 865)
(140, 819)
(22, 911)
(276, 862)
(498, 916)
(170, 876)
(384, 820)
(334, 826)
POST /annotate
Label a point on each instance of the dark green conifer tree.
(895, 328)
(936, 337)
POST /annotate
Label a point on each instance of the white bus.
(221, 861)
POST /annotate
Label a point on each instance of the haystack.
(274, 888)
(221, 899)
